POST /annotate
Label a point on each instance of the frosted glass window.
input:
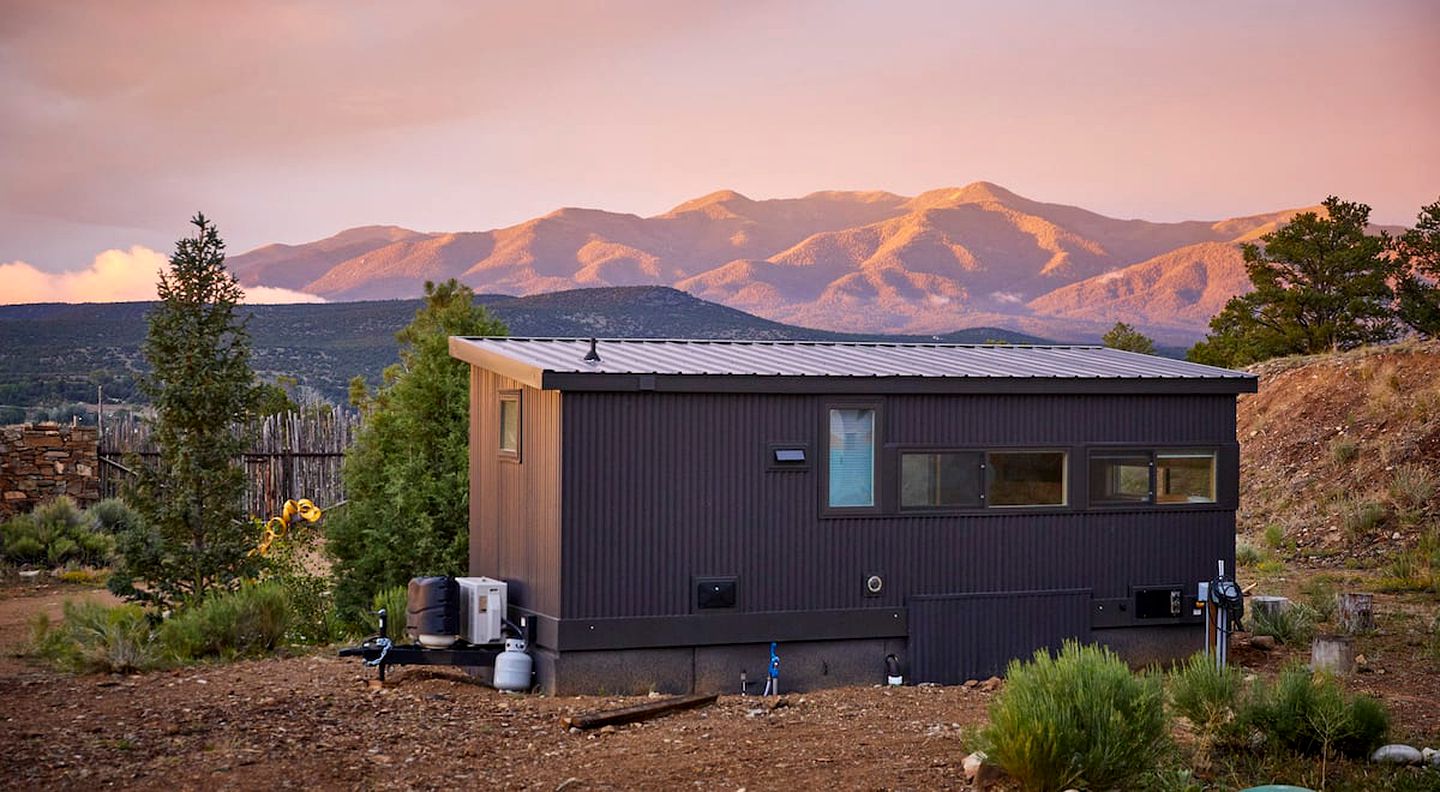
(852, 457)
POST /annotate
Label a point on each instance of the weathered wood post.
(1355, 612)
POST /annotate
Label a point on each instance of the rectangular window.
(1185, 477)
(852, 457)
(1026, 478)
(946, 480)
(510, 424)
(1120, 477)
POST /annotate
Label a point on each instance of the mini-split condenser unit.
(482, 607)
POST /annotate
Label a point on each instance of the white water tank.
(482, 607)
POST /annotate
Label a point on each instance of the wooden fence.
(291, 455)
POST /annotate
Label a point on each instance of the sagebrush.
(55, 534)
(1079, 718)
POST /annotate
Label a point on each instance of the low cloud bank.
(114, 276)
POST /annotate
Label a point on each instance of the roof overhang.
(503, 365)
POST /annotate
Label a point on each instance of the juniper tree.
(407, 475)
(1123, 336)
(1417, 253)
(1321, 284)
(201, 388)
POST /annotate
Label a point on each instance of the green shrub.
(1295, 624)
(249, 621)
(54, 534)
(1274, 536)
(1343, 449)
(1319, 592)
(1247, 554)
(1270, 566)
(1080, 718)
(1206, 696)
(96, 638)
(393, 600)
(314, 619)
(1359, 516)
(1310, 714)
(1412, 487)
(112, 516)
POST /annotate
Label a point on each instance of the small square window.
(510, 424)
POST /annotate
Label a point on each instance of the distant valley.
(870, 262)
(55, 353)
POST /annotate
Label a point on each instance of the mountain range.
(869, 262)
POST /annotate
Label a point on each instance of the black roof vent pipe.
(592, 356)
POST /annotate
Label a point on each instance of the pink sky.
(290, 121)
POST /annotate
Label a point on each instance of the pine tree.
(201, 388)
(407, 476)
(1123, 336)
(1321, 284)
(1417, 253)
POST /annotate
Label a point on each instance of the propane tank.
(512, 667)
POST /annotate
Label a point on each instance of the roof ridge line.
(786, 342)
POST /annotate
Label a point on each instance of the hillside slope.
(1342, 452)
(57, 353)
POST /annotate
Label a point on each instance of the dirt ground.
(316, 722)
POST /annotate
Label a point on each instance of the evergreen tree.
(1123, 336)
(201, 387)
(1320, 284)
(1417, 254)
(407, 476)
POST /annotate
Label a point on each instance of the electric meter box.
(482, 607)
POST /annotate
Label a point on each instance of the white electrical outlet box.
(482, 607)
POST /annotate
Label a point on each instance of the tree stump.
(1262, 605)
(1355, 612)
(1333, 653)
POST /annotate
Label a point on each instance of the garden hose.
(277, 527)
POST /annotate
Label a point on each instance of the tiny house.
(664, 510)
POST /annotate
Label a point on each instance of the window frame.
(901, 508)
(1152, 502)
(1067, 479)
(518, 397)
(879, 467)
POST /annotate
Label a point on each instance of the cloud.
(114, 276)
(1007, 297)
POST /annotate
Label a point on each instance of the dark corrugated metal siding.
(973, 636)
(659, 488)
(515, 508)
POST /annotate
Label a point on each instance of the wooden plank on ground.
(639, 712)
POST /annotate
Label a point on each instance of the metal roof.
(717, 364)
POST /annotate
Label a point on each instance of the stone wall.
(40, 461)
